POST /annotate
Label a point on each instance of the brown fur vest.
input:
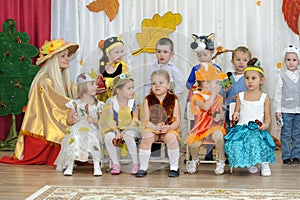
(161, 112)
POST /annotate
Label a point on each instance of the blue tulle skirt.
(246, 145)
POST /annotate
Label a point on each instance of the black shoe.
(208, 158)
(141, 173)
(287, 161)
(174, 173)
(295, 160)
(226, 161)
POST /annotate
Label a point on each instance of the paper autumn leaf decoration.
(279, 65)
(258, 3)
(110, 7)
(93, 74)
(291, 11)
(154, 29)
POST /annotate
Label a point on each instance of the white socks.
(144, 159)
(174, 158)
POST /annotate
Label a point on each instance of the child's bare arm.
(278, 115)
(72, 118)
(236, 114)
(267, 114)
(205, 105)
(135, 118)
(135, 114)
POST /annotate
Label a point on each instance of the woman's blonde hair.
(60, 77)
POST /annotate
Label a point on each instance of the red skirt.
(36, 152)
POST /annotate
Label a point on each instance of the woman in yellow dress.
(44, 125)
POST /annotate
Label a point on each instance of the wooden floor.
(20, 181)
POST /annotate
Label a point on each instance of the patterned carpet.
(127, 193)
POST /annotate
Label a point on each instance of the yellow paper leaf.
(110, 7)
(84, 129)
(154, 29)
(258, 3)
(93, 74)
(71, 140)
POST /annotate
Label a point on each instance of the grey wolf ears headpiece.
(201, 43)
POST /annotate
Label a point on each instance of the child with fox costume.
(204, 121)
(207, 106)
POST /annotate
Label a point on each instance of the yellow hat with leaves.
(53, 47)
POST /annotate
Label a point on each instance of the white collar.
(116, 105)
(168, 63)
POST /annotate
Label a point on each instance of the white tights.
(129, 138)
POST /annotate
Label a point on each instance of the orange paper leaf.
(110, 7)
(279, 65)
(258, 3)
(219, 49)
(154, 29)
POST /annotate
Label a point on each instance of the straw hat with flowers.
(53, 47)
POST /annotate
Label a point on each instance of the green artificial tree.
(16, 75)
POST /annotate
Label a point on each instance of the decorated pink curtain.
(34, 18)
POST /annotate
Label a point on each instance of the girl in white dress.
(84, 138)
(249, 144)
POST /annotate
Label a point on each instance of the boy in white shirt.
(287, 106)
(164, 53)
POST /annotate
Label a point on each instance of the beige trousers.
(217, 137)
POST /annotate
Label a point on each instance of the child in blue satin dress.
(249, 143)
